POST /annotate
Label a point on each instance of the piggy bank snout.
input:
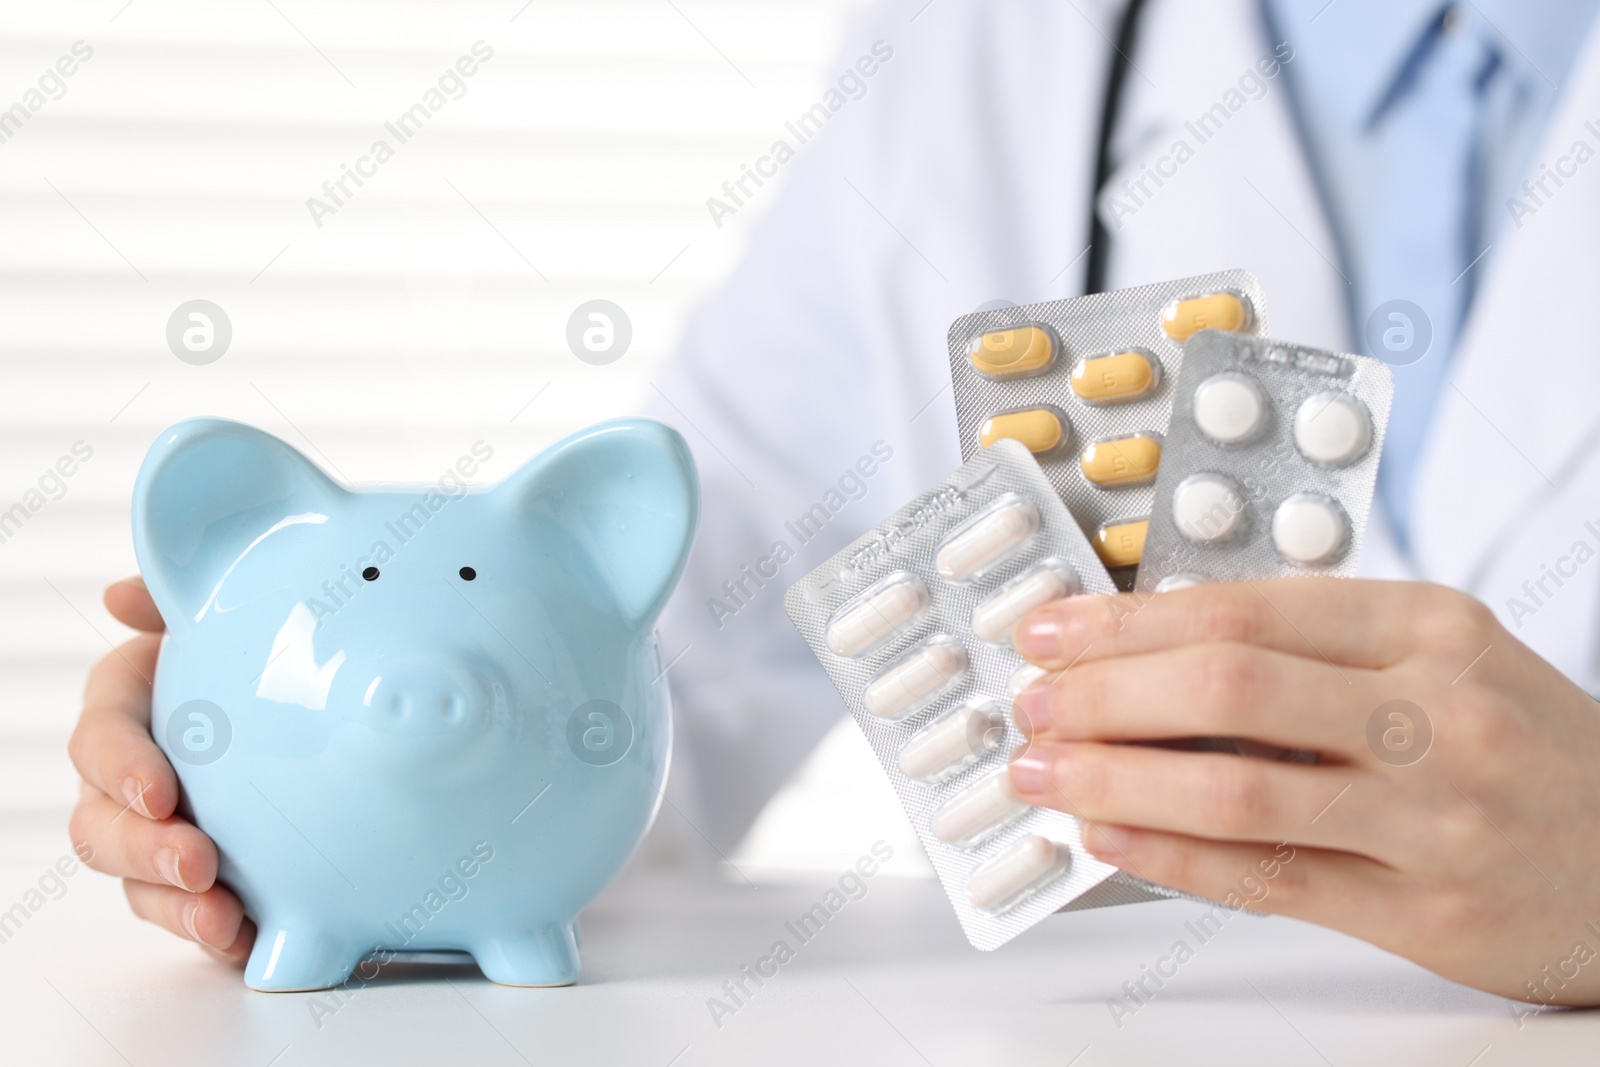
(429, 698)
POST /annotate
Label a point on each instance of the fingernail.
(190, 910)
(1107, 842)
(133, 793)
(1030, 773)
(167, 864)
(1038, 636)
(136, 580)
(1032, 708)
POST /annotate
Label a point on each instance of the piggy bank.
(415, 719)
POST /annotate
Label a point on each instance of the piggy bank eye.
(467, 574)
(370, 574)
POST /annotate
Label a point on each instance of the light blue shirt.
(1421, 120)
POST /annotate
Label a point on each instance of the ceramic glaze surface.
(456, 751)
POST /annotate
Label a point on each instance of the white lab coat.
(963, 177)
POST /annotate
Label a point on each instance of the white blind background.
(428, 312)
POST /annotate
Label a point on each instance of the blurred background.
(427, 310)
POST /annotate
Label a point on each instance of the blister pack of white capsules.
(1270, 465)
(913, 623)
(1086, 385)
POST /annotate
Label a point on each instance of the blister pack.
(1272, 458)
(1086, 385)
(913, 624)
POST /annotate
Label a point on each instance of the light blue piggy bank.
(415, 718)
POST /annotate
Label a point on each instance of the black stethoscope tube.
(1116, 77)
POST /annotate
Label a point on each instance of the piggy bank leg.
(289, 959)
(544, 956)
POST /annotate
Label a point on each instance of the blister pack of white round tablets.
(913, 624)
(1086, 385)
(1271, 461)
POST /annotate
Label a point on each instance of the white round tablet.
(1230, 408)
(1310, 528)
(1332, 428)
(1179, 581)
(1208, 508)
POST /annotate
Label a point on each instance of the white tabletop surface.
(888, 981)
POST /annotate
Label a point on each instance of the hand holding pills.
(1250, 706)
(1473, 857)
(1073, 399)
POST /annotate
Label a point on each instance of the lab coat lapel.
(1521, 409)
(1209, 173)
(1242, 195)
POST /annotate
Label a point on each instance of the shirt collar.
(1537, 40)
(1369, 42)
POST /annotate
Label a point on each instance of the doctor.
(1353, 154)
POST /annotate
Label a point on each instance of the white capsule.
(978, 812)
(1179, 581)
(915, 679)
(1333, 429)
(995, 618)
(1230, 408)
(1025, 866)
(1309, 528)
(953, 742)
(1207, 508)
(878, 616)
(1023, 677)
(987, 541)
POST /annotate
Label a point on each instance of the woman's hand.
(125, 811)
(1475, 853)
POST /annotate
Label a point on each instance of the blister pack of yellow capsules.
(1086, 385)
(913, 624)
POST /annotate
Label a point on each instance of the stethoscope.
(1116, 77)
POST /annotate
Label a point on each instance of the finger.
(1202, 794)
(1331, 888)
(111, 746)
(165, 851)
(1334, 620)
(1220, 690)
(213, 919)
(130, 604)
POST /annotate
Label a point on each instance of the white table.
(888, 981)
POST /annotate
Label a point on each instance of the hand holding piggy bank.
(415, 719)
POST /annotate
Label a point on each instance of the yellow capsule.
(1039, 428)
(1121, 544)
(1218, 311)
(1130, 460)
(1013, 353)
(1115, 378)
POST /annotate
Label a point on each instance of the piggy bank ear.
(208, 491)
(625, 495)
